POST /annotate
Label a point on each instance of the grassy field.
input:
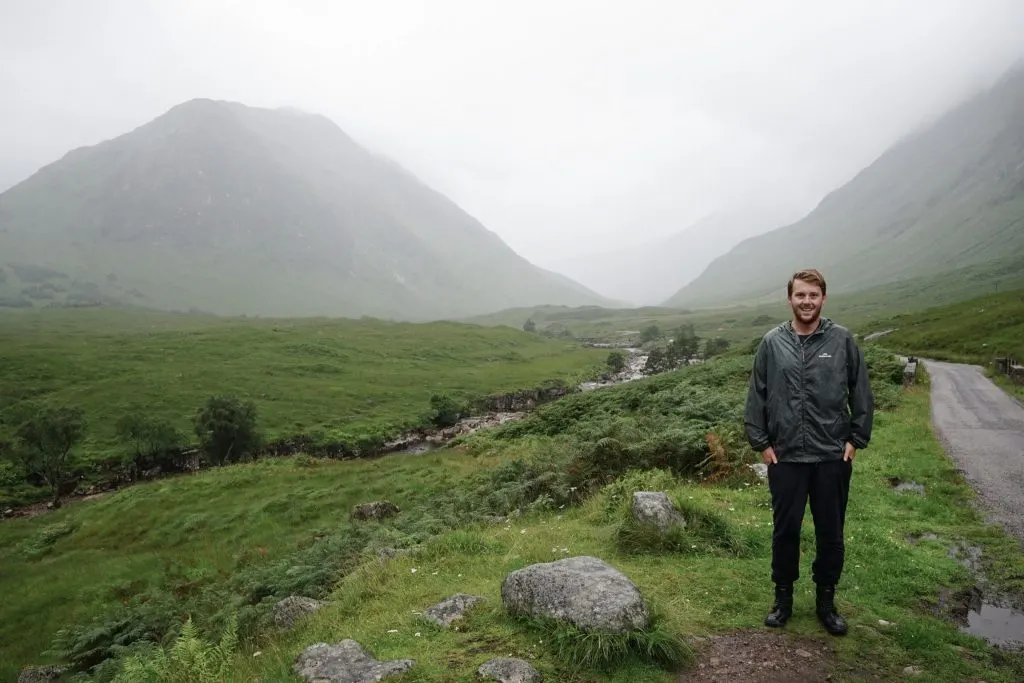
(234, 540)
(975, 331)
(335, 378)
(740, 324)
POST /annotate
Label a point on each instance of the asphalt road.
(982, 429)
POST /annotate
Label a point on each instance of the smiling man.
(809, 408)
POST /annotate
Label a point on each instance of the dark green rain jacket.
(808, 398)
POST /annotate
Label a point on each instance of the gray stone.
(583, 591)
(378, 510)
(40, 674)
(447, 611)
(509, 670)
(293, 608)
(653, 508)
(345, 662)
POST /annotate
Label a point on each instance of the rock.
(803, 653)
(345, 662)
(655, 509)
(447, 611)
(378, 509)
(583, 591)
(913, 670)
(40, 674)
(390, 553)
(509, 670)
(761, 470)
(293, 608)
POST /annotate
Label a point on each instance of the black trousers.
(827, 485)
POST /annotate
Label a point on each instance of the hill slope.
(647, 273)
(232, 209)
(947, 197)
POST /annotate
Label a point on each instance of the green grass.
(306, 376)
(701, 592)
(236, 538)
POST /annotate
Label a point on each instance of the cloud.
(563, 126)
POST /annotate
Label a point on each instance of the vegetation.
(141, 378)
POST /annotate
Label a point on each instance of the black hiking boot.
(782, 610)
(826, 610)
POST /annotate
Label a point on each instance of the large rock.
(452, 609)
(288, 612)
(41, 674)
(583, 591)
(653, 508)
(509, 670)
(345, 662)
(378, 509)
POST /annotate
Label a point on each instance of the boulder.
(509, 670)
(583, 591)
(378, 510)
(447, 611)
(40, 674)
(293, 608)
(345, 662)
(653, 508)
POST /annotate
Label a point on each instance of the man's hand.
(769, 456)
(849, 452)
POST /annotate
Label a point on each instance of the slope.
(947, 197)
(646, 273)
(234, 209)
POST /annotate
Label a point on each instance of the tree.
(529, 325)
(715, 346)
(444, 411)
(650, 333)
(226, 428)
(45, 443)
(616, 361)
(685, 343)
(151, 442)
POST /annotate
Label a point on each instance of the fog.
(566, 127)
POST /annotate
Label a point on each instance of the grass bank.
(236, 540)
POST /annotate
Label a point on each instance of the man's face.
(806, 302)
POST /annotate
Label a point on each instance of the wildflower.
(413, 570)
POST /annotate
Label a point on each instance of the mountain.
(644, 273)
(232, 209)
(947, 197)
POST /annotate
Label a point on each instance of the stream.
(417, 443)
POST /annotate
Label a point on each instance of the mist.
(570, 129)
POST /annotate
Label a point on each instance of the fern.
(190, 659)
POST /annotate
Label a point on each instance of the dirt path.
(982, 428)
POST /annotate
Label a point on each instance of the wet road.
(982, 429)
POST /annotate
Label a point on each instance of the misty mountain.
(948, 197)
(649, 272)
(232, 209)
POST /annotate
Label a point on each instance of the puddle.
(901, 486)
(1000, 626)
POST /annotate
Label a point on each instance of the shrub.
(151, 442)
(444, 410)
(226, 428)
(189, 660)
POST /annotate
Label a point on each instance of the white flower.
(418, 634)
(413, 570)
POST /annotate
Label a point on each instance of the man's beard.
(807, 314)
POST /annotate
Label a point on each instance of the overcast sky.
(563, 126)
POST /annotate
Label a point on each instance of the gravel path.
(982, 428)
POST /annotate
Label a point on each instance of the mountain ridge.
(261, 211)
(946, 196)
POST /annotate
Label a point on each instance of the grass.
(333, 378)
(247, 529)
(886, 577)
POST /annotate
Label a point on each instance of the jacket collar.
(823, 325)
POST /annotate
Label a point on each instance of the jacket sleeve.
(862, 402)
(755, 415)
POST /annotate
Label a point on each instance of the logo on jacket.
(824, 354)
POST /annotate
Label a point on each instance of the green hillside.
(974, 331)
(326, 379)
(238, 210)
(947, 197)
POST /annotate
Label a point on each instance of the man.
(809, 409)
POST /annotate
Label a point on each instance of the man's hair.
(810, 276)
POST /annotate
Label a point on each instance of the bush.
(226, 428)
(151, 442)
(444, 411)
(189, 660)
